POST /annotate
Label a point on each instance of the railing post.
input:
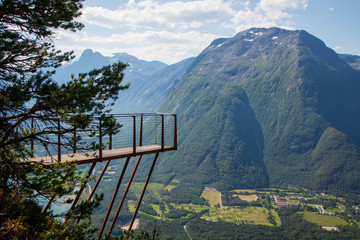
(155, 135)
(175, 131)
(59, 140)
(74, 147)
(100, 140)
(141, 130)
(134, 136)
(162, 133)
(110, 141)
(32, 139)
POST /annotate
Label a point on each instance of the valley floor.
(265, 210)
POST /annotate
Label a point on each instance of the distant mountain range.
(137, 73)
(268, 107)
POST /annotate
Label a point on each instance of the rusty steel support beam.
(143, 191)
(123, 198)
(81, 189)
(114, 197)
(54, 196)
(99, 180)
(94, 188)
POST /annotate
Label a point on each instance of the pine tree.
(29, 97)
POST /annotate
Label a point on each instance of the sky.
(172, 30)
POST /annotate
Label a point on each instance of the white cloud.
(166, 46)
(331, 9)
(171, 30)
(151, 14)
(266, 13)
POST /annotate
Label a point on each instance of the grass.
(248, 198)
(248, 215)
(341, 207)
(152, 188)
(214, 198)
(324, 220)
(244, 190)
(293, 202)
(333, 210)
(156, 207)
(276, 217)
(170, 187)
(263, 190)
(131, 205)
(191, 207)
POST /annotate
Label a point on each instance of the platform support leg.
(143, 191)
(114, 197)
(123, 198)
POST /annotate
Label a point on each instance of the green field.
(192, 207)
(324, 220)
(247, 215)
(214, 198)
(264, 191)
(276, 217)
(244, 190)
(170, 187)
(293, 202)
(153, 189)
(237, 215)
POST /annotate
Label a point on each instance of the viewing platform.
(129, 136)
(139, 134)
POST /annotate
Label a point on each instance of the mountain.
(137, 69)
(268, 107)
(352, 60)
(147, 95)
(137, 73)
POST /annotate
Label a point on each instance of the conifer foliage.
(28, 97)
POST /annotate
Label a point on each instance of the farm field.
(213, 197)
(248, 198)
(191, 207)
(324, 220)
(238, 215)
(263, 191)
(256, 206)
(153, 189)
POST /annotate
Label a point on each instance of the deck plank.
(90, 157)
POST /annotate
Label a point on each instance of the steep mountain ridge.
(352, 60)
(298, 96)
(147, 96)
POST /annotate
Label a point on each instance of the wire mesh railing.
(127, 131)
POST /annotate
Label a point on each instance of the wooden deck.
(90, 157)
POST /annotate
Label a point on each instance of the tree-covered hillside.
(269, 106)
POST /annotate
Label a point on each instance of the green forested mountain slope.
(269, 106)
(146, 96)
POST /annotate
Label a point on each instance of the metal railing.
(134, 130)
